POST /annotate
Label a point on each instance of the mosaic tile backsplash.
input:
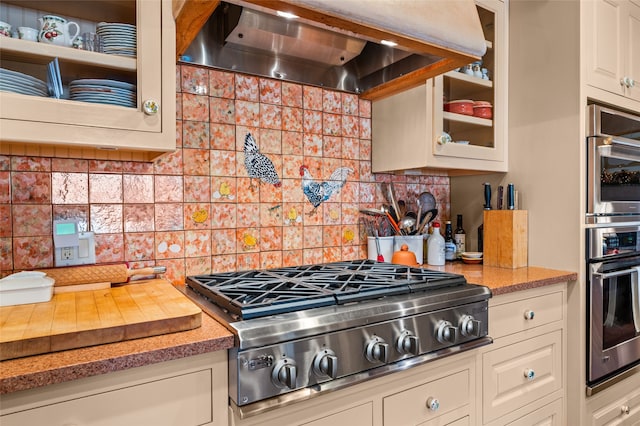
(203, 208)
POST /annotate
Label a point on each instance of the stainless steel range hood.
(338, 43)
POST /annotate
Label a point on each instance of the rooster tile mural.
(266, 174)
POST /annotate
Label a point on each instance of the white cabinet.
(523, 379)
(613, 46)
(619, 405)
(185, 392)
(36, 125)
(407, 127)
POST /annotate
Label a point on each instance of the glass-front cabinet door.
(118, 95)
(455, 122)
(470, 103)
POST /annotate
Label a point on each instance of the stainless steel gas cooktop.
(304, 330)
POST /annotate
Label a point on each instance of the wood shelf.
(13, 49)
(468, 119)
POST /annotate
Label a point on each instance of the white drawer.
(184, 400)
(360, 415)
(624, 411)
(409, 407)
(513, 317)
(549, 415)
(505, 385)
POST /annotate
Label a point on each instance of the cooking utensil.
(380, 257)
(119, 273)
(393, 223)
(407, 223)
(372, 211)
(427, 201)
(428, 217)
(500, 196)
(392, 200)
(402, 206)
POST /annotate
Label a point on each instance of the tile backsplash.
(202, 208)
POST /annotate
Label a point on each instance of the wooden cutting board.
(86, 318)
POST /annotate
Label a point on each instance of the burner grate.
(256, 293)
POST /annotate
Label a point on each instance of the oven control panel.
(353, 354)
(613, 241)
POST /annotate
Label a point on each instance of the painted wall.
(196, 210)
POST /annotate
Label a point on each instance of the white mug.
(5, 29)
(27, 33)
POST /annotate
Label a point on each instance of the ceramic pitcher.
(56, 30)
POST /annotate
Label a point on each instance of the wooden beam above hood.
(190, 16)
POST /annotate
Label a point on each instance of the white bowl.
(472, 254)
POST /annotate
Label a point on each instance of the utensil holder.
(505, 242)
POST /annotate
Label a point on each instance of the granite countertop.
(504, 280)
(41, 370)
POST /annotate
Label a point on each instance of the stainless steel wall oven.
(613, 307)
(613, 165)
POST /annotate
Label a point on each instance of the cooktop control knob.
(408, 343)
(377, 350)
(469, 326)
(325, 363)
(285, 373)
(445, 332)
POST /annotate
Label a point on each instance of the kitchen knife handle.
(511, 197)
(500, 197)
(487, 196)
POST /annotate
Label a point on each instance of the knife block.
(505, 238)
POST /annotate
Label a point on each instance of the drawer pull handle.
(528, 315)
(433, 404)
(529, 374)
(625, 409)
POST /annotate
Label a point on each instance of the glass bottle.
(449, 245)
(460, 238)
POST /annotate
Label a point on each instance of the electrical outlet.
(67, 253)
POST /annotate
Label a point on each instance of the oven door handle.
(608, 275)
(635, 299)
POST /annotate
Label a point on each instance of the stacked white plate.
(118, 39)
(17, 82)
(111, 92)
(472, 257)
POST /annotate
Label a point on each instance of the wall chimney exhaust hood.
(371, 47)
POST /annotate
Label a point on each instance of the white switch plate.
(82, 254)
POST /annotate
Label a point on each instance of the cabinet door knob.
(150, 107)
(529, 374)
(625, 409)
(627, 82)
(433, 404)
(444, 138)
(529, 314)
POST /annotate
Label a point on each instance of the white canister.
(414, 242)
(386, 248)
